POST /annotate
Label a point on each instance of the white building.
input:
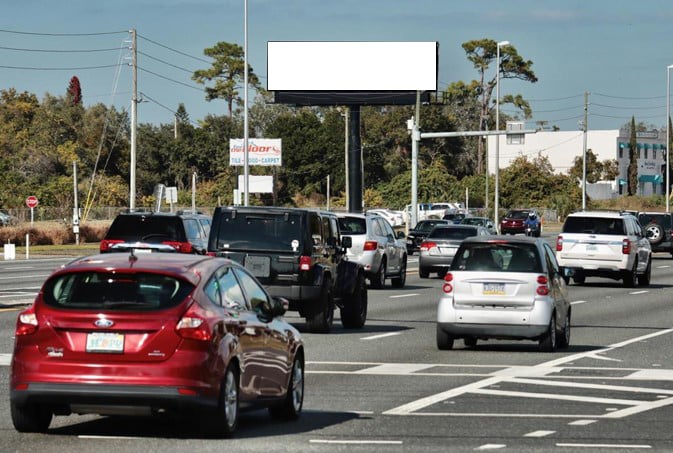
(561, 148)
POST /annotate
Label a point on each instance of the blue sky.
(617, 50)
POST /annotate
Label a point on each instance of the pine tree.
(632, 172)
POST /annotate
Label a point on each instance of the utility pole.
(584, 151)
(134, 121)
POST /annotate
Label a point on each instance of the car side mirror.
(347, 242)
(567, 272)
(279, 306)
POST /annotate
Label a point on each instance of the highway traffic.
(386, 387)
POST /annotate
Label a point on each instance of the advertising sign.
(261, 151)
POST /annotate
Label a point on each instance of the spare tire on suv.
(658, 229)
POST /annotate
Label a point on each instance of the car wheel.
(444, 340)
(225, 421)
(294, 397)
(400, 281)
(378, 280)
(579, 279)
(354, 312)
(548, 340)
(654, 233)
(563, 338)
(470, 342)
(30, 418)
(322, 319)
(631, 277)
(442, 273)
(644, 279)
(423, 273)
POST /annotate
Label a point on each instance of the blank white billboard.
(351, 66)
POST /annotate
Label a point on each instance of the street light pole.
(497, 128)
(668, 133)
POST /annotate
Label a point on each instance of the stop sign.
(31, 201)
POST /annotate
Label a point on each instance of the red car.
(122, 333)
(512, 223)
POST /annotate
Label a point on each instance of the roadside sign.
(32, 202)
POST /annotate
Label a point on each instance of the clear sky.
(617, 50)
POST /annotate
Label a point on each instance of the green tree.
(227, 74)
(632, 171)
(596, 170)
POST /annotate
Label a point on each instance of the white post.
(668, 135)
(496, 205)
(194, 192)
(328, 192)
(28, 243)
(246, 169)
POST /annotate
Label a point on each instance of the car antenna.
(132, 257)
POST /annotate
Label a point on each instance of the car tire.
(378, 280)
(399, 282)
(548, 340)
(294, 397)
(470, 342)
(644, 279)
(444, 340)
(630, 277)
(423, 273)
(354, 312)
(579, 279)
(563, 339)
(322, 319)
(31, 418)
(654, 233)
(225, 421)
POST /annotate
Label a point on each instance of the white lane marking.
(16, 268)
(356, 442)
(619, 388)
(394, 369)
(582, 422)
(540, 433)
(383, 335)
(600, 357)
(555, 396)
(577, 302)
(89, 436)
(23, 277)
(491, 447)
(638, 292)
(404, 295)
(663, 267)
(602, 445)
(361, 412)
(5, 359)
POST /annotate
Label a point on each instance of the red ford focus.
(151, 333)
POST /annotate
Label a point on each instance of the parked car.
(439, 247)
(141, 334)
(480, 221)
(297, 254)
(512, 223)
(454, 217)
(419, 233)
(658, 229)
(146, 232)
(605, 244)
(504, 288)
(394, 218)
(6, 219)
(376, 247)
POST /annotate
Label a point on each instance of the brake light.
(305, 263)
(193, 326)
(559, 244)
(427, 245)
(370, 245)
(211, 253)
(543, 289)
(626, 246)
(26, 323)
(106, 244)
(448, 287)
(181, 247)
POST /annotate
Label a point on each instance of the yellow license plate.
(494, 289)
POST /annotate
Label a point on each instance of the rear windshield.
(497, 257)
(472, 221)
(517, 214)
(352, 225)
(116, 291)
(660, 219)
(458, 233)
(146, 228)
(427, 225)
(261, 231)
(594, 225)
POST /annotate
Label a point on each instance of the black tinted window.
(101, 290)
(267, 231)
(427, 225)
(594, 225)
(147, 228)
(517, 214)
(497, 257)
(458, 233)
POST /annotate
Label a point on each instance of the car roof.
(604, 214)
(273, 209)
(503, 239)
(159, 214)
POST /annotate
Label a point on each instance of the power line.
(145, 95)
(62, 34)
(174, 50)
(169, 79)
(59, 69)
(165, 62)
(629, 98)
(60, 51)
(627, 107)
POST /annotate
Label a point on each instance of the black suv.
(657, 226)
(416, 236)
(181, 232)
(297, 254)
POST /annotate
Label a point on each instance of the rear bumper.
(296, 294)
(434, 262)
(528, 332)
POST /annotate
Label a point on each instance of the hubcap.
(297, 386)
(230, 399)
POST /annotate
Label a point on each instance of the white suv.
(605, 244)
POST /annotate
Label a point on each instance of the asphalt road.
(387, 387)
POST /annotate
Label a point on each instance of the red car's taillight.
(370, 245)
(543, 289)
(626, 246)
(559, 244)
(106, 244)
(427, 245)
(448, 287)
(305, 263)
(193, 326)
(180, 247)
(26, 323)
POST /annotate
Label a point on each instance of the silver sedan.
(440, 246)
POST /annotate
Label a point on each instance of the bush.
(51, 233)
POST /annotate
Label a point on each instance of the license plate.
(105, 342)
(591, 247)
(259, 266)
(494, 289)
(447, 250)
(142, 250)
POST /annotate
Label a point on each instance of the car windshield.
(146, 228)
(660, 219)
(264, 231)
(427, 226)
(594, 225)
(459, 233)
(352, 225)
(472, 221)
(115, 291)
(497, 257)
